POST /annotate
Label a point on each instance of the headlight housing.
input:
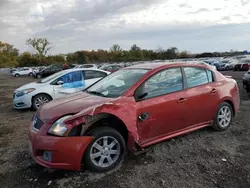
(59, 128)
(24, 92)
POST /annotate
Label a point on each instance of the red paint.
(169, 117)
(67, 152)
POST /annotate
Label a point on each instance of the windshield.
(115, 84)
(51, 77)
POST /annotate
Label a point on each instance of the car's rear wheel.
(30, 74)
(106, 151)
(223, 117)
(17, 75)
(39, 76)
(39, 100)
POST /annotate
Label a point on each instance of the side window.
(115, 67)
(89, 74)
(164, 82)
(55, 68)
(195, 76)
(71, 77)
(72, 80)
(210, 76)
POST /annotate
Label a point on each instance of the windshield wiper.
(96, 93)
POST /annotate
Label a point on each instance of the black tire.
(30, 74)
(216, 124)
(45, 96)
(17, 75)
(99, 133)
(39, 76)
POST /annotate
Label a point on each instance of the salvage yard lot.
(203, 158)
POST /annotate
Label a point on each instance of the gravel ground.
(204, 158)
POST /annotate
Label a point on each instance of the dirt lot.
(204, 158)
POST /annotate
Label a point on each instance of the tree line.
(10, 56)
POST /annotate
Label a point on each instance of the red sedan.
(128, 110)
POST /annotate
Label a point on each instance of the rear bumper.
(66, 152)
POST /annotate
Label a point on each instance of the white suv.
(22, 72)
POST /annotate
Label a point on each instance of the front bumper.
(22, 102)
(66, 152)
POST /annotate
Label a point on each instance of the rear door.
(92, 76)
(201, 94)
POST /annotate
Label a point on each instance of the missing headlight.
(75, 131)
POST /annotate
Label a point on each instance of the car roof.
(152, 66)
(77, 69)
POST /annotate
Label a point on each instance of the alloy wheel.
(105, 151)
(40, 100)
(224, 117)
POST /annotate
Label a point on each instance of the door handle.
(214, 90)
(181, 100)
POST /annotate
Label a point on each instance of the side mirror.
(142, 96)
(60, 82)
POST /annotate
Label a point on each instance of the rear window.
(197, 76)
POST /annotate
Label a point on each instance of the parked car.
(13, 70)
(22, 72)
(246, 81)
(36, 70)
(34, 94)
(87, 66)
(130, 109)
(243, 65)
(111, 68)
(52, 69)
(230, 64)
(203, 63)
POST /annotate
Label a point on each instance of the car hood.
(30, 85)
(70, 104)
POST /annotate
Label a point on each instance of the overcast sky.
(193, 25)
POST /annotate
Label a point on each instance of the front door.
(70, 83)
(161, 111)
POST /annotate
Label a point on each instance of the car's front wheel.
(223, 117)
(17, 75)
(106, 150)
(39, 100)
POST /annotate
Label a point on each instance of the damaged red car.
(129, 110)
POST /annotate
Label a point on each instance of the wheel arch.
(112, 121)
(231, 104)
(43, 93)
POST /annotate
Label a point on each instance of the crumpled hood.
(30, 85)
(69, 104)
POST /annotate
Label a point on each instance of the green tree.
(8, 55)
(41, 45)
(115, 48)
(134, 47)
(80, 57)
(26, 59)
